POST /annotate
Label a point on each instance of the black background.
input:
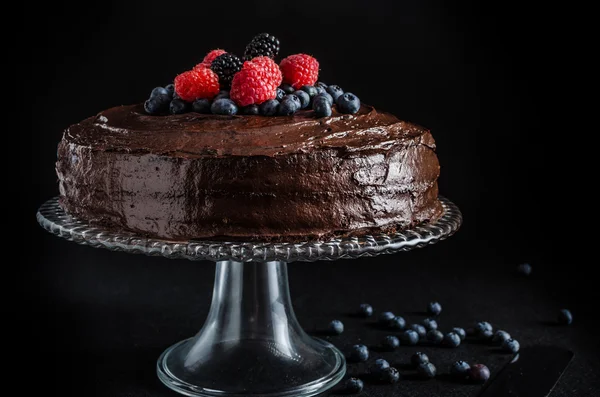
(489, 83)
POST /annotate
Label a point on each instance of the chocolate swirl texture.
(248, 177)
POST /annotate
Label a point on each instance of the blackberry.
(262, 45)
(225, 66)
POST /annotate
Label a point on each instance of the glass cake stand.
(251, 343)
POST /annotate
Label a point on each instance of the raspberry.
(209, 58)
(197, 83)
(256, 83)
(299, 70)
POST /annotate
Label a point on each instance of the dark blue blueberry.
(419, 358)
(565, 317)
(483, 330)
(288, 89)
(379, 365)
(500, 336)
(201, 106)
(426, 370)
(353, 386)
(390, 375)
(335, 91)
(157, 104)
(430, 324)
(289, 105)
(179, 106)
(434, 308)
(365, 310)
(310, 90)
(524, 269)
(321, 90)
(451, 339)
(269, 108)
(409, 337)
(478, 373)
(460, 369)
(397, 323)
(327, 96)
(348, 103)
(280, 94)
(336, 327)
(511, 346)
(250, 110)
(359, 353)
(390, 342)
(303, 97)
(435, 336)
(385, 318)
(321, 107)
(460, 331)
(159, 91)
(222, 94)
(320, 84)
(170, 89)
(224, 106)
(419, 329)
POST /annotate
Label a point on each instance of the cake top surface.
(129, 129)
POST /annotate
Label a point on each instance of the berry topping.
(250, 110)
(385, 317)
(433, 308)
(299, 70)
(565, 317)
(460, 369)
(500, 336)
(321, 85)
(310, 90)
(209, 58)
(222, 94)
(397, 323)
(426, 370)
(226, 66)
(390, 375)
(256, 82)
(335, 91)
(170, 89)
(304, 98)
(349, 103)
(430, 324)
(179, 106)
(269, 108)
(197, 83)
(419, 358)
(353, 386)
(511, 346)
(410, 337)
(336, 327)
(224, 106)
(460, 332)
(359, 353)
(288, 89)
(322, 106)
(451, 339)
(419, 329)
(280, 94)
(201, 105)
(435, 336)
(390, 342)
(479, 373)
(261, 45)
(157, 104)
(365, 310)
(160, 91)
(289, 105)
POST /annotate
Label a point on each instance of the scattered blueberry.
(419, 358)
(434, 308)
(565, 317)
(321, 106)
(348, 103)
(365, 310)
(426, 370)
(410, 337)
(160, 91)
(303, 97)
(310, 90)
(288, 89)
(479, 373)
(224, 106)
(524, 269)
(385, 318)
(500, 336)
(250, 110)
(451, 339)
(359, 353)
(378, 367)
(397, 323)
(201, 106)
(511, 346)
(353, 386)
(390, 375)
(460, 369)
(280, 94)
(483, 330)
(336, 327)
(390, 342)
(269, 108)
(289, 105)
(222, 94)
(178, 106)
(435, 336)
(320, 84)
(335, 91)
(430, 324)
(460, 332)
(419, 329)
(170, 89)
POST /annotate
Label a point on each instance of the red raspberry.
(256, 82)
(197, 83)
(209, 58)
(299, 70)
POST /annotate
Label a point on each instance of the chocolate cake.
(206, 176)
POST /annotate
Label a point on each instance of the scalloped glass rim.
(55, 220)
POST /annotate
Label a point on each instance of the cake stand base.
(251, 343)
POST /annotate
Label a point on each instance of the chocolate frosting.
(249, 177)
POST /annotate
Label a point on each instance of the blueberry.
(250, 110)
(524, 269)
(385, 318)
(201, 106)
(321, 90)
(430, 324)
(410, 337)
(320, 84)
(435, 336)
(336, 327)
(222, 94)
(280, 94)
(310, 90)
(289, 105)
(224, 106)
(434, 308)
(511, 346)
(460, 332)
(335, 91)
(500, 336)
(170, 89)
(178, 106)
(419, 358)
(288, 89)
(397, 323)
(460, 369)
(378, 367)
(269, 108)
(365, 310)
(451, 339)
(426, 370)
(483, 330)
(348, 103)
(159, 91)
(327, 96)
(390, 375)
(321, 106)
(419, 329)
(353, 386)
(565, 317)
(479, 373)
(390, 342)
(359, 353)
(303, 97)
(157, 104)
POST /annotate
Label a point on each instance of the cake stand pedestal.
(251, 343)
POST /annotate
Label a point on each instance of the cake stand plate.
(251, 343)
